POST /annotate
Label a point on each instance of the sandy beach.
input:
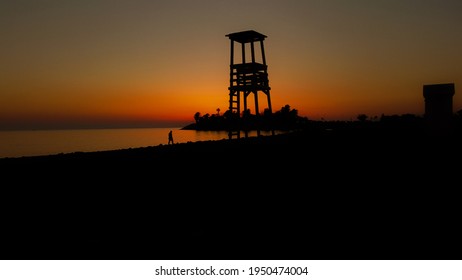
(310, 194)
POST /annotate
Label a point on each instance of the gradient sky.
(109, 63)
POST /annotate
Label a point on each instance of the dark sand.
(359, 194)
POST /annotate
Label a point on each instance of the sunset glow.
(156, 63)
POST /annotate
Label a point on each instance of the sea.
(49, 142)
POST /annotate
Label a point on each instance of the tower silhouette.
(438, 107)
(247, 76)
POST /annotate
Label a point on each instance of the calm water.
(47, 142)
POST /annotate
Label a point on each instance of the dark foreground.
(308, 195)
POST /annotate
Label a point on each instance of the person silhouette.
(170, 137)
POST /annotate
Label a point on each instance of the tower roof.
(246, 36)
(439, 89)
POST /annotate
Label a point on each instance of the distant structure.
(249, 75)
(438, 107)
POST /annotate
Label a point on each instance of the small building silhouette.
(438, 107)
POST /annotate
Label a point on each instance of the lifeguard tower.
(248, 74)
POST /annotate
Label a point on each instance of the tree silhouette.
(197, 117)
(284, 119)
(362, 117)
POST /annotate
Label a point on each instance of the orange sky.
(138, 63)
